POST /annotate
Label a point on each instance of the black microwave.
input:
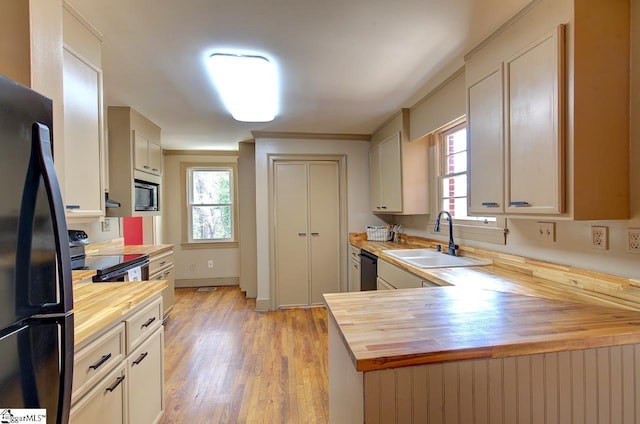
(146, 196)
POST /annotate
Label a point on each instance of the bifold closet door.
(291, 232)
(307, 229)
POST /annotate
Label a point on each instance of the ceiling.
(345, 66)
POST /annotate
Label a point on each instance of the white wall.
(573, 239)
(359, 215)
(191, 264)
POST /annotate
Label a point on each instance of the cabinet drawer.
(398, 277)
(354, 252)
(96, 360)
(105, 403)
(144, 379)
(142, 324)
(157, 262)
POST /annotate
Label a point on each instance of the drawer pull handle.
(490, 204)
(116, 384)
(163, 262)
(155, 169)
(148, 323)
(519, 204)
(315, 234)
(166, 273)
(140, 358)
(302, 234)
(102, 360)
(146, 167)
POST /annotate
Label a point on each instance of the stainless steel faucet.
(452, 246)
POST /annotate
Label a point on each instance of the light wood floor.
(227, 363)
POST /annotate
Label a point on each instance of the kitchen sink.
(427, 258)
(412, 253)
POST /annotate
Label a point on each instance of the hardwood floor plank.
(227, 363)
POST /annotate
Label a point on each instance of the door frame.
(341, 160)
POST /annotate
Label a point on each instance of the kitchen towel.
(134, 274)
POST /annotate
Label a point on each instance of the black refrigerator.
(36, 299)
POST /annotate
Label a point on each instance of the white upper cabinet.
(547, 110)
(83, 120)
(534, 124)
(399, 181)
(485, 123)
(386, 176)
(147, 155)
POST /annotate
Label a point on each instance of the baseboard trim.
(208, 282)
(263, 304)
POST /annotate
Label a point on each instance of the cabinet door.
(141, 152)
(84, 194)
(145, 382)
(168, 294)
(374, 179)
(324, 227)
(155, 158)
(291, 233)
(105, 403)
(535, 137)
(485, 122)
(391, 175)
(383, 285)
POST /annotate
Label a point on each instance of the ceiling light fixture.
(247, 85)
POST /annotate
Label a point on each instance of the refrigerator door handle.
(41, 164)
(42, 141)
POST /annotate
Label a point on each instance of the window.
(453, 174)
(210, 203)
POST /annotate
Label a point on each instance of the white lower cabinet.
(105, 403)
(111, 387)
(354, 269)
(144, 371)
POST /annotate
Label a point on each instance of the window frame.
(187, 206)
(471, 228)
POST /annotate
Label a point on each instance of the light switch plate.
(547, 231)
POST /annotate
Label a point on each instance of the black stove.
(108, 268)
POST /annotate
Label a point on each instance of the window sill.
(209, 245)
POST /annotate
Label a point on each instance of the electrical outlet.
(210, 263)
(634, 240)
(106, 225)
(600, 237)
(547, 231)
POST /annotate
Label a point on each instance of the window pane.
(454, 186)
(211, 222)
(210, 186)
(456, 142)
(457, 207)
(457, 163)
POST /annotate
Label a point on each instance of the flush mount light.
(247, 85)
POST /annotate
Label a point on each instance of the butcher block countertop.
(518, 275)
(98, 305)
(395, 328)
(148, 249)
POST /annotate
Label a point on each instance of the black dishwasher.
(368, 271)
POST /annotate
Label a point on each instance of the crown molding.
(200, 152)
(311, 136)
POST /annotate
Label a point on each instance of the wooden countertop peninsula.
(97, 305)
(396, 328)
(117, 247)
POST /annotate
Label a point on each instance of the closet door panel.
(324, 225)
(291, 232)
